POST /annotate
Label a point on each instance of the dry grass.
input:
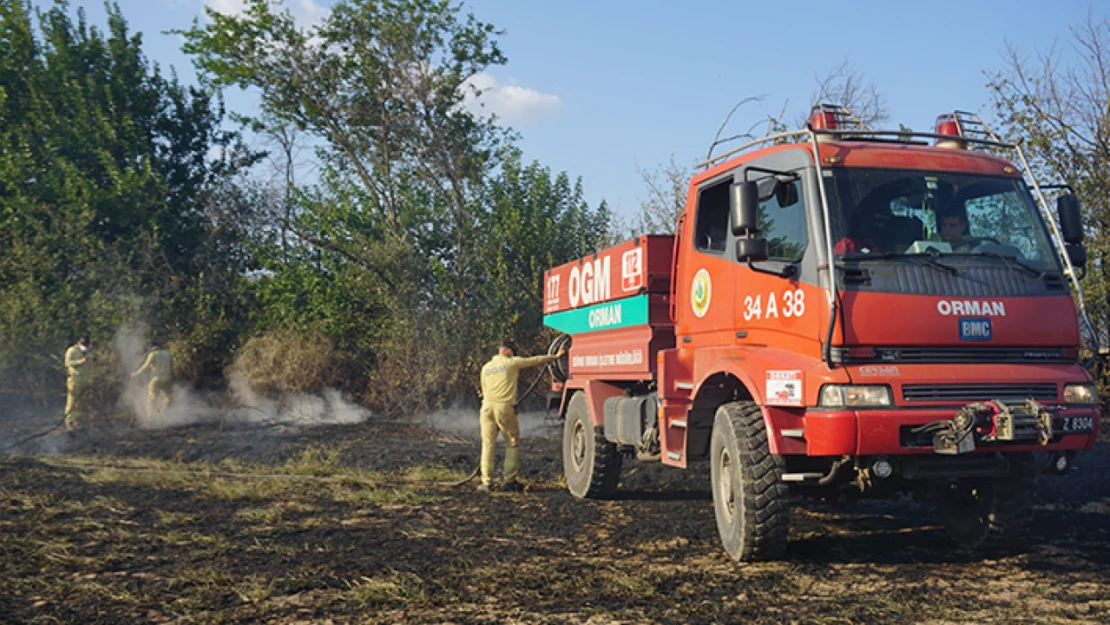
(308, 538)
(389, 588)
(289, 362)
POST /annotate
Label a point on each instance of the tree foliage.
(666, 198)
(1058, 105)
(108, 190)
(424, 238)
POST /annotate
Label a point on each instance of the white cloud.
(227, 7)
(513, 104)
(306, 12)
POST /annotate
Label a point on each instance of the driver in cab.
(952, 230)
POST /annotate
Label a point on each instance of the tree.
(106, 177)
(1058, 105)
(379, 85)
(846, 86)
(532, 220)
(667, 185)
(666, 198)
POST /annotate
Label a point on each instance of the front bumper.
(890, 431)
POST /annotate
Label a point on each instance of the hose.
(559, 369)
(473, 474)
(34, 436)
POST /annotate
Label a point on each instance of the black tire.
(591, 464)
(987, 512)
(749, 496)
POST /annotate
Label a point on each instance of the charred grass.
(356, 525)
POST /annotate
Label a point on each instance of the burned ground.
(354, 524)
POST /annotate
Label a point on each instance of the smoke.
(464, 421)
(21, 419)
(330, 407)
(239, 404)
(130, 341)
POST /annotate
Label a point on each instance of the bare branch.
(716, 137)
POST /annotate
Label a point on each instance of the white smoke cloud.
(239, 405)
(464, 421)
(513, 104)
(330, 407)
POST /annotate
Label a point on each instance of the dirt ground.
(337, 524)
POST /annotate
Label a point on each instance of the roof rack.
(967, 125)
(831, 122)
(833, 117)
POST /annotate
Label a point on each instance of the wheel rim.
(724, 484)
(578, 445)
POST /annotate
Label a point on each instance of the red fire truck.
(841, 310)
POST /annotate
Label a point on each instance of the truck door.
(706, 270)
(783, 310)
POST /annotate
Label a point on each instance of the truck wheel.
(592, 465)
(980, 512)
(749, 497)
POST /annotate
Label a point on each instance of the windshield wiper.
(1033, 271)
(929, 258)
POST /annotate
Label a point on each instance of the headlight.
(1079, 393)
(850, 396)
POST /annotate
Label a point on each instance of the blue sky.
(600, 89)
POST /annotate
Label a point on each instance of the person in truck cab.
(865, 232)
(952, 229)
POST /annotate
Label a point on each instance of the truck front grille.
(978, 392)
(954, 355)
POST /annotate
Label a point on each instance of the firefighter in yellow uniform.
(159, 362)
(76, 359)
(498, 412)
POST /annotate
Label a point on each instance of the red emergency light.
(949, 125)
(822, 120)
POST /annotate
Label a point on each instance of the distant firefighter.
(76, 358)
(159, 362)
(498, 412)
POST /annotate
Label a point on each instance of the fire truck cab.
(840, 310)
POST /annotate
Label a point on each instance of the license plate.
(1077, 424)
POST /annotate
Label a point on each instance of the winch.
(991, 421)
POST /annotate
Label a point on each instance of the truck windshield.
(888, 213)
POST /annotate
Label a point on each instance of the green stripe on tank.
(621, 313)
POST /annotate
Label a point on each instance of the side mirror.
(786, 194)
(744, 216)
(751, 250)
(1077, 254)
(744, 208)
(1071, 222)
